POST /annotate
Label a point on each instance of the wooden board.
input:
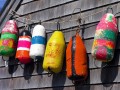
(53, 14)
(97, 76)
(33, 77)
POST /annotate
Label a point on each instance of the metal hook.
(79, 22)
(25, 24)
(26, 20)
(109, 8)
(27, 27)
(6, 62)
(40, 22)
(95, 64)
(4, 59)
(73, 81)
(100, 67)
(58, 25)
(109, 89)
(80, 81)
(12, 13)
(50, 73)
(74, 11)
(35, 61)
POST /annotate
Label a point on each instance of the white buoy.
(37, 48)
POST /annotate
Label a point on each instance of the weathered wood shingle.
(33, 76)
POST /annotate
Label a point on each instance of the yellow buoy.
(54, 54)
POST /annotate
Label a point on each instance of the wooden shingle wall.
(34, 77)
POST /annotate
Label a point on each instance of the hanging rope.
(63, 21)
(70, 20)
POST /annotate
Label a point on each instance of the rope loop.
(109, 9)
(50, 73)
(102, 66)
(58, 25)
(21, 66)
(4, 59)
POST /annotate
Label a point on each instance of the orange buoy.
(23, 47)
(76, 59)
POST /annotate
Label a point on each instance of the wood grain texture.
(83, 4)
(40, 4)
(15, 71)
(97, 76)
(53, 14)
(85, 87)
(27, 1)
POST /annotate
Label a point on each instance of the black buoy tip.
(25, 33)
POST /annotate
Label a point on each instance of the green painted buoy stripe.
(7, 36)
(107, 34)
(110, 53)
(6, 51)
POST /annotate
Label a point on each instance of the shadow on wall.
(60, 78)
(109, 74)
(28, 70)
(39, 64)
(12, 65)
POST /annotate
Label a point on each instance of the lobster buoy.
(105, 38)
(8, 41)
(23, 47)
(54, 54)
(37, 48)
(76, 59)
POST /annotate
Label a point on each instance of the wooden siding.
(34, 77)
